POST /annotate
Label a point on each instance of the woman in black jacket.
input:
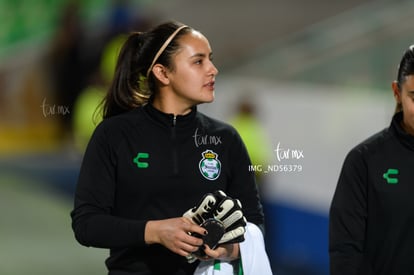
(372, 211)
(154, 156)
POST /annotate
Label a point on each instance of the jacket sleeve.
(243, 184)
(348, 216)
(93, 221)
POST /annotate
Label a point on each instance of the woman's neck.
(170, 107)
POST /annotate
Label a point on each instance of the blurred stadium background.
(316, 73)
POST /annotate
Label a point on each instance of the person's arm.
(348, 216)
(242, 184)
(92, 219)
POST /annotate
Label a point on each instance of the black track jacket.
(146, 165)
(372, 212)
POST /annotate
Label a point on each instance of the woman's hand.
(224, 252)
(173, 234)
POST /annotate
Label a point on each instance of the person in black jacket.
(372, 211)
(154, 156)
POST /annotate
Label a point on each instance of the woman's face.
(405, 96)
(193, 78)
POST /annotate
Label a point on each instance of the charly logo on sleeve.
(141, 160)
(391, 176)
(210, 165)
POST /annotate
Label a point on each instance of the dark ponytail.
(405, 68)
(131, 87)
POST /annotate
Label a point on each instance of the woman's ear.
(396, 91)
(160, 73)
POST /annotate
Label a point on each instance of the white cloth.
(253, 256)
(208, 268)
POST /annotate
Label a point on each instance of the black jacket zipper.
(174, 147)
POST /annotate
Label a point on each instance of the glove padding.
(219, 210)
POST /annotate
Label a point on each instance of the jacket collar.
(403, 136)
(170, 120)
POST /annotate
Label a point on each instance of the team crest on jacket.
(210, 166)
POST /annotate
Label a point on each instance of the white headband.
(161, 50)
